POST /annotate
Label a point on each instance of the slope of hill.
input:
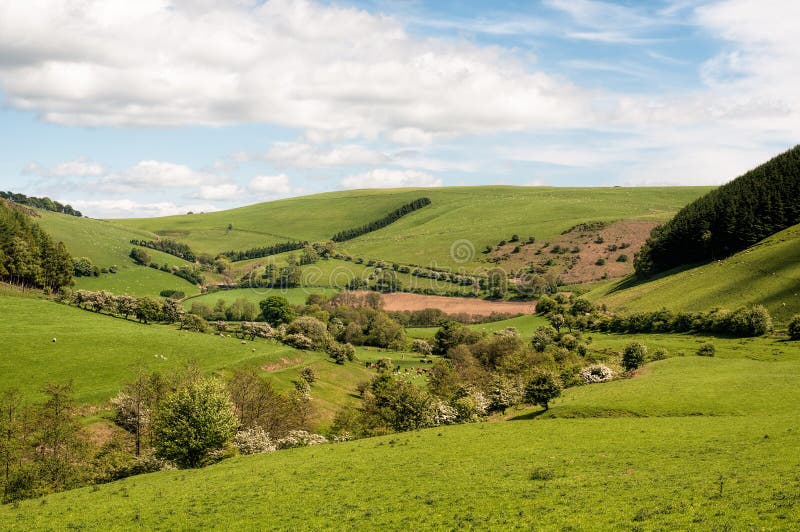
(480, 216)
(108, 244)
(738, 214)
(675, 448)
(767, 274)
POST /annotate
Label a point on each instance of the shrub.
(191, 322)
(600, 262)
(308, 374)
(634, 356)
(300, 438)
(140, 256)
(659, 354)
(596, 373)
(341, 352)
(622, 258)
(542, 338)
(542, 473)
(707, 350)
(254, 440)
(794, 327)
(311, 328)
(299, 341)
(422, 347)
(277, 310)
(542, 388)
(194, 421)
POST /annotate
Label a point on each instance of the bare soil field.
(455, 305)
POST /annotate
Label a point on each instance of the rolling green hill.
(480, 215)
(691, 443)
(108, 244)
(767, 273)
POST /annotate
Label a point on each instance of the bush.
(299, 341)
(542, 388)
(140, 256)
(622, 258)
(277, 310)
(596, 373)
(658, 354)
(600, 262)
(308, 374)
(422, 347)
(341, 352)
(707, 350)
(634, 356)
(300, 438)
(194, 421)
(191, 322)
(254, 440)
(542, 338)
(794, 327)
(312, 328)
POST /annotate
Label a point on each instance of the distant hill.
(473, 216)
(729, 219)
(767, 273)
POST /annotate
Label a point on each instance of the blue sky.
(162, 106)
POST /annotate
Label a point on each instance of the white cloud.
(126, 208)
(338, 72)
(386, 178)
(302, 155)
(162, 174)
(271, 185)
(78, 168)
(225, 191)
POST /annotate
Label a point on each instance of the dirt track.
(454, 305)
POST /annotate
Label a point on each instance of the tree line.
(172, 247)
(28, 256)
(265, 251)
(45, 203)
(729, 219)
(393, 216)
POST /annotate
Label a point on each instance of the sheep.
(53, 340)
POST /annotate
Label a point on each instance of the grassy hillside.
(108, 244)
(96, 353)
(767, 273)
(681, 446)
(482, 215)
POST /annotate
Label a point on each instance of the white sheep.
(53, 340)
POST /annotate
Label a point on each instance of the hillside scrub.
(729, 219)
(794, 328)
(45, 203)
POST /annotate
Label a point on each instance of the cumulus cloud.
(78, 168)
(126, 208)
(271, 185)
(338, 72)
(387, 178)
(225, 191)
(303, 155)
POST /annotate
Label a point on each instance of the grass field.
(767, 273)
(108, 244)
(296, 296)
(691, 443)
(479, 215)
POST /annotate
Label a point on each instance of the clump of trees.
(28, 256)
(178, 249)
(264, 251)
(45, 203)
(580, 314)
(393, 216)
(728, 219)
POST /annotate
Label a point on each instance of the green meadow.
(690, 443)
(480, 215)
(767, 274)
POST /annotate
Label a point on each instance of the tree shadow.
(529, 415)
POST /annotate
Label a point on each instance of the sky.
(159, 107)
